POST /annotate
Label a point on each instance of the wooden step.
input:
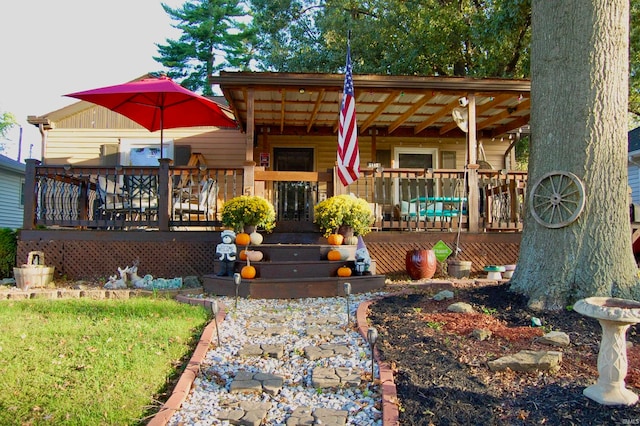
(300, 269)
(300, 252)
(291, 288)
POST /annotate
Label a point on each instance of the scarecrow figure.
(226, 253)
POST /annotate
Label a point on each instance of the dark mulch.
(441, 371)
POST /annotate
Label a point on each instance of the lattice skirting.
(77, 258)
(92, 260)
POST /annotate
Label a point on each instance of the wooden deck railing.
(183, 198)
(127, 198)
(425, 199)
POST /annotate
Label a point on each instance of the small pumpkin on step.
(248, 272)
(344, 271)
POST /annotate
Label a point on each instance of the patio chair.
(204, 203)
(111, 199)
(143, 195)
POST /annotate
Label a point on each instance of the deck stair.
(292, 271)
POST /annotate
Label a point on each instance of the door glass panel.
(294, 201)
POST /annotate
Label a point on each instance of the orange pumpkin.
(248, 272)
(344, 271)
(243, 254)
(334, 255)
(243, 239)
(335, 239)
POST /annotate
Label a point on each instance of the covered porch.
(419, 171)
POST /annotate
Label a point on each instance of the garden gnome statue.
(363, 260)
(226, 253)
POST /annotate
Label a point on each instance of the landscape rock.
(461, 307)
(444, 294)
(481, 334)
(555, 338)
(527, 361)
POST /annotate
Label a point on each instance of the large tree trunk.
(579, 77)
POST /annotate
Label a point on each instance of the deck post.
(249, 162)
(472, 167)
(29, 217)
(163, 194)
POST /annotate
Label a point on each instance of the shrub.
(8, 250)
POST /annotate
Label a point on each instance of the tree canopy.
(215, 36)
(396, 37)
(476, 38)
(7, 122)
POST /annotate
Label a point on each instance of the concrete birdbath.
(615, 316)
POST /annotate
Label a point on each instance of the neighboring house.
(11, 193)
(633, 165)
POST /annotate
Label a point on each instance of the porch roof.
(392, 105)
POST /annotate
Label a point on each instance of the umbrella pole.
(161, 131)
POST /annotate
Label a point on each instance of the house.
(12, 175)
(633, 165)
(419, 170)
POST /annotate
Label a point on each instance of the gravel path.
(285, 339)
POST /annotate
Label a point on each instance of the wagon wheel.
(557, 199)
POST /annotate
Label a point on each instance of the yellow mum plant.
(343, 210)
(249, 210)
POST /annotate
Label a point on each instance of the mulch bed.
(441, 371)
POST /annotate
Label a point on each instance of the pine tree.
(215, 36)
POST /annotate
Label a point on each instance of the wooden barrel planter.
(421, 263)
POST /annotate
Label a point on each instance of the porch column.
(29, 216)
(472, 168)
(338, 187)
(249, 163)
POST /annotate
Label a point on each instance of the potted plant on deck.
(345, 214)
(246, 212)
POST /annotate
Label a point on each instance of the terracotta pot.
(248, 229)
(346, 231)
(421, 263)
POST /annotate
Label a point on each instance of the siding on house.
(325, 149)
(633, 165)
(83, 131)
(11, 197)
(220, 147)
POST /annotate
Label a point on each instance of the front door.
(294, 201)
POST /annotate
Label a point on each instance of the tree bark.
(579, 79)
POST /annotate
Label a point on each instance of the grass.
(91, 362)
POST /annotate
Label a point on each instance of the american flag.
(348, 152)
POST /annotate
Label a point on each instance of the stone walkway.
(253, 413)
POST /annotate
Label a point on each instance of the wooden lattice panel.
(87, 256)
(391, 257)
(100, 259)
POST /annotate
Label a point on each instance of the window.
(143, 152)
(414, 158)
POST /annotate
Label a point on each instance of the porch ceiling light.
(301, 90)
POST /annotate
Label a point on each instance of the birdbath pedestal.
(615, 316)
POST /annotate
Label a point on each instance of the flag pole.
(348, 167)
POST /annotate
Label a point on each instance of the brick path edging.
(183, 387)
(387, 385)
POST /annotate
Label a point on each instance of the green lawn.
(91, 362)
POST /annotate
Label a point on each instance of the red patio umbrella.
(158, 104)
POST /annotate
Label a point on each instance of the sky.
(51, 48)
